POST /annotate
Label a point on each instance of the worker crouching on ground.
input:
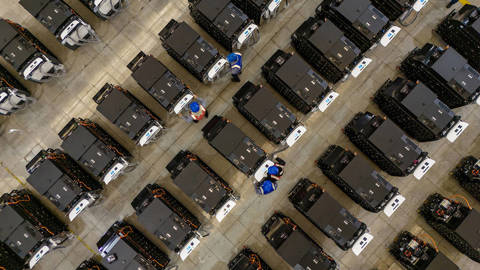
(235, 61)
(196, 111)
(274, 173)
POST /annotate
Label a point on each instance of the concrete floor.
(136, 29)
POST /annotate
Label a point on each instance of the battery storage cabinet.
(13, 95)
(326, 213)
(387, 145)
(294, 79)
(62, 21)
(90, 265)
(158, 81)
(445, 72)
(361, 21)
(28, 228)
(414, 253)
(248, 260)
(8, 259)
(205, 187)
(327, 49)
(57, 177)
(27, 55)
(105, 9)
(91, 146)
(359, 180)
(165, 217)
(394, 9)
(225, 22)
(461, 30)
(455, 222)
(124, 247)
(260, 11)
(193, 52)
(467, 173)
(418, 111)
(261, 108)
(129, 114)
(294, 245)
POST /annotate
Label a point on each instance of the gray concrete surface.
(136, 29)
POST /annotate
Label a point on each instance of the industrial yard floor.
(136, 29)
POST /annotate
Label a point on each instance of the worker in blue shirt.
(235, 61)
(274, 173)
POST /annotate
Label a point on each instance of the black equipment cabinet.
(457, 223)
(105, 9)
(91, 146)
(296, 81)
(8, 259)
(445, 72)
(205, 187)
(128, 113)
(261, 10)
(461, 30)
(467, 173)
(13, 95)
(359, 180)
(247, 259)
(158, 81)
(387, 145)
(225, 22)
(56, 176)
(91, 264)
(326, 213)
(393, 9)
(361, 21)
(326, 48)
(123, 244)
(62, 21)
(416, 254)
(268, 114)
(193, 52)
(28, 228)
(27, 55)
(166, 218)
(294, 246)
(418, 111)
(234, 145)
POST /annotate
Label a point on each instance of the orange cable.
(462, 197)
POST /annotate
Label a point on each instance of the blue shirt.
(235, 60)
(267, 187)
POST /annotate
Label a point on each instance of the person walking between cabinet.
(235, 61)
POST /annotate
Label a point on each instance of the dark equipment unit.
(123, 247)
(387, 145)
(62, 21)
(359, 180)
(328, 50)
(225, 22)
(91, 265)
(91, 146)
(395, 9)
(129, 114)
(56, 176)
(158, 81)
(361, 22)
(418, 111)
(248, 260)
(261, 10)
(198, 181)
(166, 218)
(27, 55)
(193, 52)
(455, 222)
(28, 228)
(461, 30)
(105, 9)
(445, 72)
(415, 254)
(8, 259)
(295, 246)
(236, 147)
(467, 174)
(329, 216)
(268, 114)
(13, 95)
(296, 81)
